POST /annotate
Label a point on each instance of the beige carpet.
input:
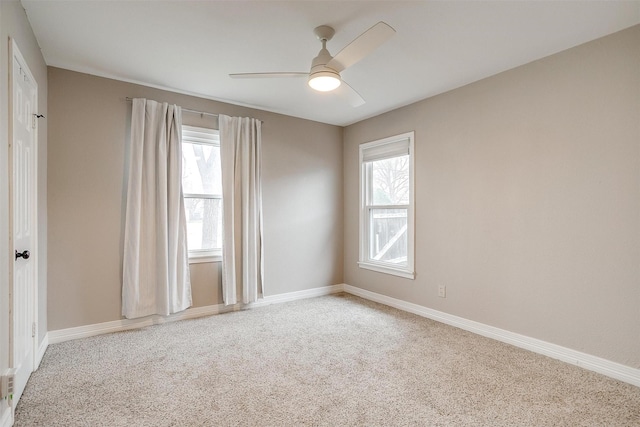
(329, 361)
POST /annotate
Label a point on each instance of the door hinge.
(33, 329)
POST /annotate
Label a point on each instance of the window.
(386, 211)
(202, 188)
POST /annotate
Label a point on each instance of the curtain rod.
(188, 110)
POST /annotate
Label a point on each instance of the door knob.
(24, 254)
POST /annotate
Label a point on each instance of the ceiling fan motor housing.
(319, 70)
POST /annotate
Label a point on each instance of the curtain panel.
(155, 265)
(242, 251)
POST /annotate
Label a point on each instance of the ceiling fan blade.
(267, 75)
(362, 46)
(353, 97)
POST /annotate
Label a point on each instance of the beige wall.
(14, 24)
(527, 199)
(88, 127)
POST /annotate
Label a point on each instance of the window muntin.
(202, 190)
(386, 216)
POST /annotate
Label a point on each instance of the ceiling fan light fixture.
(324, 75)
(324, 81)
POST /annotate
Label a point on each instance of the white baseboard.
(68, 334)
(603, 366)
(307, 293)
(85, 331)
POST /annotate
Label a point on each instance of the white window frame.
(204, 136)
(390, 145)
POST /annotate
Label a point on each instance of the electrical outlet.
(7, 383)
(442, 291)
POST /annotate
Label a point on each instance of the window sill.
(388, 270)
(200, 259)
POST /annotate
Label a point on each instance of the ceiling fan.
(325, 70)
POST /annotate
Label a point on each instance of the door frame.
(14, 52)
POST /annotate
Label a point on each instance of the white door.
(23, 221)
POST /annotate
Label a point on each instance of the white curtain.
(155, 265)
(242, 254)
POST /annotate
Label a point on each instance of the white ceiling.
(192, 46)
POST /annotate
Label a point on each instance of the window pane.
(204, 223)
(201, 169)
(388, 241)
(390, 178)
